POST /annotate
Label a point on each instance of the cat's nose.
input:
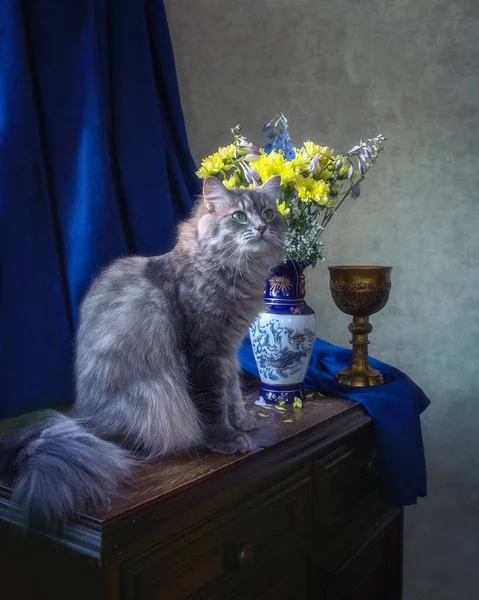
(261, 228)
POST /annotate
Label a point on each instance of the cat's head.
(241, 222)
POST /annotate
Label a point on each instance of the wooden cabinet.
(299, 518)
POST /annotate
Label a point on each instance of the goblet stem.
(359, 373)
(360, 328)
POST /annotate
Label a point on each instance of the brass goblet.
(360, 292)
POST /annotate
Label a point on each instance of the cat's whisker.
(222, 258)
(296, 271)
(230, 246)
(238, 267)
(248, 258)
(277, 241)
(253, 259)
(273, 236)
(234, 283)
(238, 249)
(240, 273)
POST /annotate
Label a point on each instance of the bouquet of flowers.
(315, 181)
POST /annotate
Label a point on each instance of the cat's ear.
(272, 188)
(213, 190)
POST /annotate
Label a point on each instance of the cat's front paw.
(246, 422)
(238, 443)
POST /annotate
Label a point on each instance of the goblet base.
(349, 376)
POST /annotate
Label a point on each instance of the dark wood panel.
(29, 569)
(344, 481)
(371, 571)
(289, 582)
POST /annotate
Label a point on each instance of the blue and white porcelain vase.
(283, 335)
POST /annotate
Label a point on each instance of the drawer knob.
(245, 555)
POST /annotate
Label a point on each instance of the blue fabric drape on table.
(394, 407)
(94, 164)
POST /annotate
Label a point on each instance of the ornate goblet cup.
(360, 292)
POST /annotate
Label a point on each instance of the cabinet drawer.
(343, 482)
(373, 571)
(287, 583)
(288, 580)
(226, 549)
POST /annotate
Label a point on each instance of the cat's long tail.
(58, 468)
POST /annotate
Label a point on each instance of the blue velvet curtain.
(94, 164)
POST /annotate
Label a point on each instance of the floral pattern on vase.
(283, 335)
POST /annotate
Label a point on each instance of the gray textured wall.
(350, 68)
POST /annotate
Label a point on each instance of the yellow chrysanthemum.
(310, 190)
(226, 152)
(269, 164)
(311, 148)
(211, 165)
(324, 153)
(301, 161)
(288, 174)
(322, 173)
(327, 151)
(274, 164)
(282, 208)
(231, 182)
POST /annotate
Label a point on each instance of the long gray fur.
(155, 366)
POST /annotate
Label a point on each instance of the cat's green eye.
(239, 217)
(268, 214)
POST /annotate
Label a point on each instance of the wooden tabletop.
(167, 476)
(166, 481)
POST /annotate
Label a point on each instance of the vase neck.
(286, 281)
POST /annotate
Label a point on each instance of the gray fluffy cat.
(156, 367)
